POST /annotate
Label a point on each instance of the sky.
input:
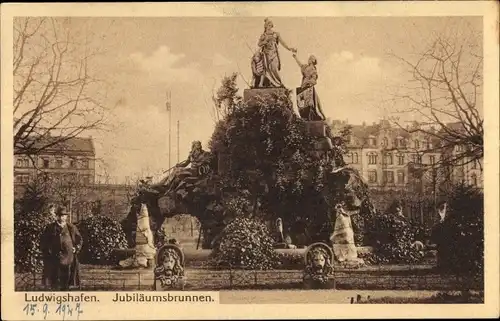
(140, 59)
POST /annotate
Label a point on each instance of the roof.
(363, 132)
(63, 144)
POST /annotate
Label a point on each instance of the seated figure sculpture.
(179, 177)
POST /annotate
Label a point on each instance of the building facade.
(390, 157)
(71, 160)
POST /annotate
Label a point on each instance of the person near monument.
(268, 44)
(197, 159)
(60, 244)
(307, 98)
(52, 212)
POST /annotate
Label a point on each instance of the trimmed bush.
(246, 244)
(392, 239)
(101, 236)
(291, 261)
(28, 228)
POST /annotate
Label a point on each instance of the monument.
(197, 184)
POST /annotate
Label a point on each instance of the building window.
(459, 148)
(355, 158)
(401, 142)
(388, 159)
(401, 159)
(460, 174)
(432, 159)
(372, 176)
(22, 178)
(372, 158)
(59, 163)
(401, 177)
(417, 159)
(388, 177)
(71, 177)
(473, 179)
(372, 141)
(23, 162)
(385, 142)
(349, 158)
(86, 179)
(46, 163)
(72, 163)
(416, 144)
(85, 163)
(429, 144)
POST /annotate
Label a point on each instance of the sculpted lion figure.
(318, 260)
(169, 269)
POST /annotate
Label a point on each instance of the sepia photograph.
(265, 157)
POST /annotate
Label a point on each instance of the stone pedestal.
(144, 251)
(323, 144)
(316, 128)
(259, 96)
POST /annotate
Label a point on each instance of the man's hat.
(61, 211)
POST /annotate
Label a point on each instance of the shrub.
(101, 235)
(291, 261)
(247, 244)
(465, 226)
(392, 239)
(28, 228)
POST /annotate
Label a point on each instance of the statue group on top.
(266, 67)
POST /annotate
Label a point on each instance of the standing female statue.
(307, 98)
(268, 44)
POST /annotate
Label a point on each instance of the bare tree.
(55, 96)
(445, 90)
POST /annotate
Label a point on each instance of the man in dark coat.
(61, 241)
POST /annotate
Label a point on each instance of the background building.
(390, 157)
(73, 159)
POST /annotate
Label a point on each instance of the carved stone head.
(312, 60)
(170, 260)
(318, 259)
(268, 24)
(196, 145)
